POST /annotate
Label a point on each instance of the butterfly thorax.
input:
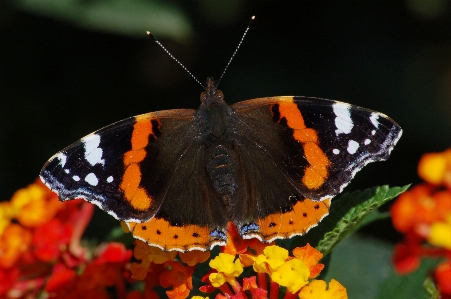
(213, 114)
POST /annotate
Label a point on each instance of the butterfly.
(268, 165)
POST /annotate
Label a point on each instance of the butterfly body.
(270, 165)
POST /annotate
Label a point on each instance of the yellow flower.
(434, 166)
(6, 213)
(440, 234)
(217, 279)
(293, 274)
(272, 258)
(34, 205)
(317, 290)
(227, 268)
(225, 263)
(25, 195)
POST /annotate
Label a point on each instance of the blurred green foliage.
(116, 16)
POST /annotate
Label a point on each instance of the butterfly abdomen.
(221, 168)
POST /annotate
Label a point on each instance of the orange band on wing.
(316, 173)
(291, 112)
(141, 131)
(304, 215)
(136, 196)
(161, 233)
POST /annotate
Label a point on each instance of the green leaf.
(350, 209)
(430, 288)
(131, 18)
(346, 215)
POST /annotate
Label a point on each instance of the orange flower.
(35, 205)
(191, 258)
(177, 277)
(14, 241)
(310, 256)
(140, 252)
(420, 206)
(151, 282)
(148, 255)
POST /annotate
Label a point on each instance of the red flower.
(104, 273)
(8, 277)
(50, 239)
(250, 284)
(443, 277)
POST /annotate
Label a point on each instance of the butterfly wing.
(147, 170)
(299, 153)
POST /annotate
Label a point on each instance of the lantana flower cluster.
(40, 250)
(423, 215)
(271, 268)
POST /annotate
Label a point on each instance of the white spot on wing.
(76, 178)
(367, 141)
(91, 179)
(352, 147)
(63, 158)
(373, 118)
(109, 179)
(66, 170)
(343, 121)
(373, 132)
(93, 154)
(336, 151)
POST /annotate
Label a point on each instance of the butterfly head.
(211, 94)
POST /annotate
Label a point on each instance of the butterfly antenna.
(236, 50)
(172, 56)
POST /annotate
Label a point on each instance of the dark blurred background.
(68, 68)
